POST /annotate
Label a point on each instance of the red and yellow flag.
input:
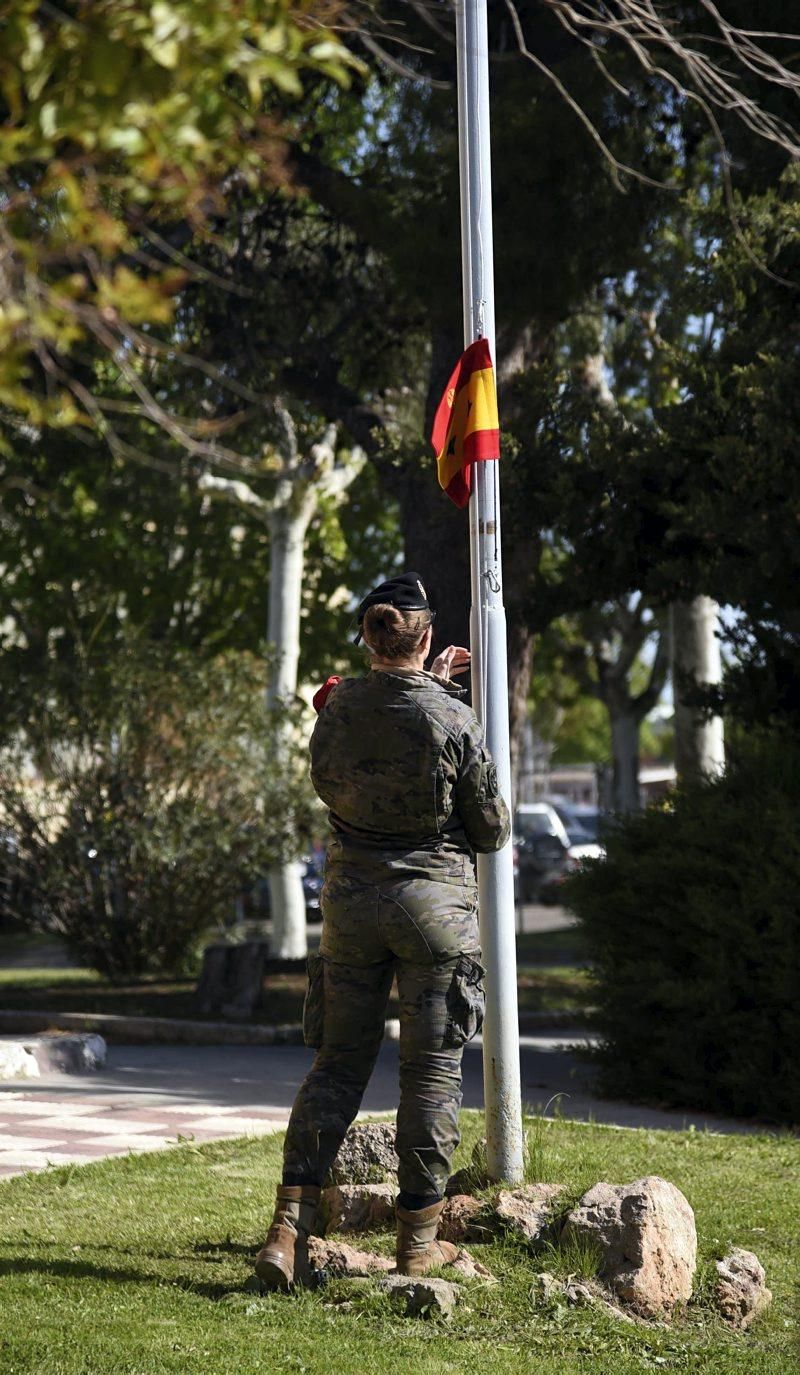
(466, 428)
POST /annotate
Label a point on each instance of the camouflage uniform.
(412, 792)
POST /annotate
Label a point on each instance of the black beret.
(406, 592)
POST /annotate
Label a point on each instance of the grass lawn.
(80, 990)
(135, 1266)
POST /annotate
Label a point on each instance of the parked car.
(579, 819)
(581, 824)
(541, 845)
(255, 901)
(312, 885)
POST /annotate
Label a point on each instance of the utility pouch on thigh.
(314, 1002)
(466, 1000)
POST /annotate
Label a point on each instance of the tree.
(380, 163)
(606, 660)
(572, 725)
(303, 483)
(696, 665)
(118, 120)
(160, 796)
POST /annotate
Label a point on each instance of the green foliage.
(687, 484)
(573, 719)
(694, 934)
(115, 110)
(156, 1249)
(154, 804)
(577, 1257)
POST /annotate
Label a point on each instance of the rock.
(526, 1212)
(421, 1298)
(16, 1062)
(71, 1053)
(470, 1269)
(741, 1292)
(343, 1261)
(546, 1288)
(461, 1182)
(459, 1219)
(367, 1155)
(472, 1176)
(647, 1239)
(579, 1295)
(356, 1208)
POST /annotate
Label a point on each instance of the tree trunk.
(287, 557)
(625, 727)
(436, 543)
(699, 742)
(520, 668)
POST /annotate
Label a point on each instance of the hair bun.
(394, 634)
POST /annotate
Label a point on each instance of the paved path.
(148, 1096)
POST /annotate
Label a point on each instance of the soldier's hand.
(455, 659)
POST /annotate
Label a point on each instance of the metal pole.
(501, 1070)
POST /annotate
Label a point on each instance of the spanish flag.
(466, 428)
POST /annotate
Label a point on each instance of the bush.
(693, 925)
(150, 809)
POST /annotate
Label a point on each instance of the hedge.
(693, 926)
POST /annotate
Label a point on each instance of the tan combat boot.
(283, 1259)
(418, 1251)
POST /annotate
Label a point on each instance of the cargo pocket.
(466, 1000)
(314, 1003)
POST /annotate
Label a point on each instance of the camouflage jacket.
(412, 790)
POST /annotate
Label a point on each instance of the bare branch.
(645, 26)
(232, 489)
(400, 68)
(192, 268)
(614, 163)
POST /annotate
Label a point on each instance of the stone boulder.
(472, 1176)
(741, 1291)
(527, 1212)
(549, 1291)
(470, 1269)
(367, 1155)
(16, 1062)
(421, 1298)
(545, 1288)
(460, 1219)
(646, 1235)
(356, 1208)
(341, 1261)
(69, 1053)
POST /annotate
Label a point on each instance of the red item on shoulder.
(322, 694)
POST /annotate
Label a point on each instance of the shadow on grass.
(107, 1274)
(228, 1247)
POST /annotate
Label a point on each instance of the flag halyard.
(466, 428)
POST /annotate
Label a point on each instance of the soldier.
(399, 760)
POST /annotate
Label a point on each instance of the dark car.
(255, 902)
(541, 845)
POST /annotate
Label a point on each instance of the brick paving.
(37, 1131)
(149, 1096)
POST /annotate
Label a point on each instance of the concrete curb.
(178, 1031)
(158, 1030)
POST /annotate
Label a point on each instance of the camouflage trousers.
(425, 933)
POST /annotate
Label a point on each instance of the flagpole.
(501, 1069)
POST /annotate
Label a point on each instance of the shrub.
(693, 926)
(150, 809)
